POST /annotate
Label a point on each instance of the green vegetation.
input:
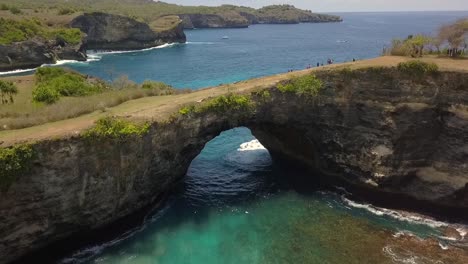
(14, 10)
(418, 68)
(55, 94)
(450, 41)
(115, 128)
(158, 88)
(59, 12)
(7, 91)
(13, 162)
(52, 82)
(304, 85)
(65, 11)
(412, 46)
(14, 31)
(230, 103)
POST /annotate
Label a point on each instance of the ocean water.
(236, 206)
(209, 60)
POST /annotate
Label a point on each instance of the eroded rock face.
(387, 134)
(384, 134)
(34, 53)
(191, 21)
(115, 32)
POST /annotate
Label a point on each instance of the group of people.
(329, 61)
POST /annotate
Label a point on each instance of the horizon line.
(391, 11)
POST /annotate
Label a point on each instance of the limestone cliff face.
(33, 53)
(384, 134)
(114, 32)
(191, 21)
(241, 19)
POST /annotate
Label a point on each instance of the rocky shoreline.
(102, 31)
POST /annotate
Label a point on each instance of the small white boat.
(225, 37)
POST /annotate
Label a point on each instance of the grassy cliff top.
(62, 11)
(19, 30)
(161, 107)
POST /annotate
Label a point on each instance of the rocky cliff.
(34, 53)
(115, 32)
(191, 21)
(391, 137)
(241, 17)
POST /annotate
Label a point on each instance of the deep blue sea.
(236, 205)
(209, 60)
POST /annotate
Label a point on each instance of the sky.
(344, 5)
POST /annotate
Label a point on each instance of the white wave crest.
(251, 153)
(16, 71)
(200, 43)
(415, 219)
(105, 52)
(251, 145)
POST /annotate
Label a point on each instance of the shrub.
(4, 7)
(228, 103)
(45, 94)
(304, 85)
(158, 88)
(231, 103)
(114, 128)
(69, 35)
(7, 91)
(65, 11)
(52, 82)
(14, 31)
(13, 162)
(14, 10)
(418, 68)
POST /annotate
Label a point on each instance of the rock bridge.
(386, 135)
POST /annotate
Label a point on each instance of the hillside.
(62, 11)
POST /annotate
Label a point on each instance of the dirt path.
(161, 107)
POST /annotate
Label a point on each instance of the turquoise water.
(208, 60)
(235, 206)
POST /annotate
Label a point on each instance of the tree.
(416, 44)
(7, 91)
(455, 35)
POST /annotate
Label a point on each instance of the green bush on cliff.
(69, 35)
(7, 91)
(417, 68)
(158, 88)
(21, 30)
(304, 85)
(13, 162)
(230, 103)
(115, 128)
(52, 82)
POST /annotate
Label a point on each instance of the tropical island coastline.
(33, 34)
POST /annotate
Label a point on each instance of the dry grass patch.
(24, 112)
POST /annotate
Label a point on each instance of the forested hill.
(62, 11)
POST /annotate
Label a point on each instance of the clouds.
(344, 5)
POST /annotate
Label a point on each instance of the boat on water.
(225, 37)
